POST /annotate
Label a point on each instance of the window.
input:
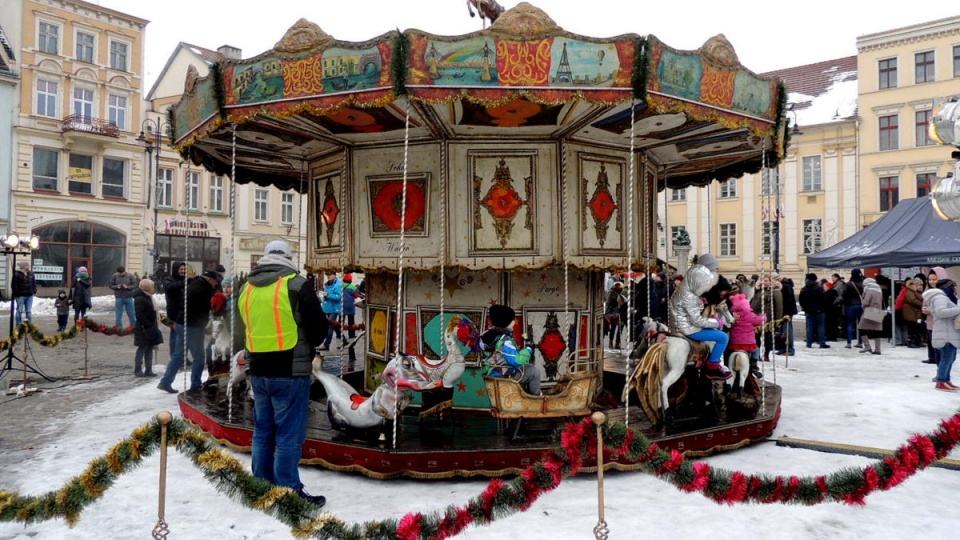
(678, 194)
(85, 47)
(889, 132)
(956, 60)
(192, 200)
(674, 231)
(888, 73)
(728, 239)
(889, 192)
(728, 188)
(812, 236)
(925, 183)
(118, 55)
(771, 236)
(45, 168)
(286, 208)
(47, 98)
(768, 183)
(923, 62)
(49, 38)
(83, 105)
(812, 177)
(118, 110)
(260, 205)
(216, 194)
(165, 188)
(70, 245)
(113, 178)
(80, 174)
(923, 128)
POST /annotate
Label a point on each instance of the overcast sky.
(766, 35)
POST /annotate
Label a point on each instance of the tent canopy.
(911, 234)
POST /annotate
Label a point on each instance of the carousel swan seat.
(571, 396)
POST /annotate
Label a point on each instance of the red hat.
(678, 277)
(348, 278)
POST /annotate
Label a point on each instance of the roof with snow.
(822, 92)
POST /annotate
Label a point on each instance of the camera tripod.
(8, 365)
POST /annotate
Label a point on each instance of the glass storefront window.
(66, 246)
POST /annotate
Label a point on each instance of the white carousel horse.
(347, 408)
(222, 339)
(739, 363)
(238, 374)
(661, 366)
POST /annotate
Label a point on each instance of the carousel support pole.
(601, 531)
(161, 530)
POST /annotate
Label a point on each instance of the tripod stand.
(7, 364)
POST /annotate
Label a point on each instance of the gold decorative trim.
(303, 36)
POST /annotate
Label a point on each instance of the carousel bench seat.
(572, 396)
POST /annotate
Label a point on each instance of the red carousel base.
(464, 444)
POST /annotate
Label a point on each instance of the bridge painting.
(463, 63)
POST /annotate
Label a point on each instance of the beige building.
(78, 178)
(193, 205)
(862, 146)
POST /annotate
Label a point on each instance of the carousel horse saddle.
(699, 351)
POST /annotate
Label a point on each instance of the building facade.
(78, 178)
(9, 98)
(860, 146)
(192, 208)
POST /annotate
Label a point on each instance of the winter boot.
(755, 368)
(945, 387)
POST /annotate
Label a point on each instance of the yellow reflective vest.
(268, 315)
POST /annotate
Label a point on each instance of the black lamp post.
(13, 245)
(153, 146)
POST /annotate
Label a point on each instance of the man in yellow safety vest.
(281, 321)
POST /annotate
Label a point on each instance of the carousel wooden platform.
(465, 444)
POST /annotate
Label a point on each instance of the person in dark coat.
(814, 303)
(197, 314)
(662, 295)
(146, 331)
(853, 306)
(173, 287)
(23, 289)
(789, 310)
(80, 294)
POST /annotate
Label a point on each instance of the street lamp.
(12, 244)
(151, 135)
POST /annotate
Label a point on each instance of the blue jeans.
(196, 345)
(854, 313)
(816, 328)
(25, 304)
(947, 355)
(125, 304)
(333, 329)
(718, 337)
(281, 407)
(788, 331)
(176, 356)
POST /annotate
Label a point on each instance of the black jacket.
(80, 294)
(24, 284)
(813, 299)
(789, 297)
(146, 332)
(173, 291)
(199, 293)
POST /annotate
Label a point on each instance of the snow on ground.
(833, 395)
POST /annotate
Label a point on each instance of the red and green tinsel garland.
(577, 444)
(101, 328)
(33, 331)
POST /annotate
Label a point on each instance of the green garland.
(398, 64)
(219, 89)
(577, 443)
(641, 68)
(33, 331)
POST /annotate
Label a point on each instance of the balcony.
(88, 125)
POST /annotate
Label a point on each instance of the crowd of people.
(854, 310)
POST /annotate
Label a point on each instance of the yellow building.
(858, 145)
(78, 181)
(905, 74)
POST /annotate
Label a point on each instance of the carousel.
(514, 165)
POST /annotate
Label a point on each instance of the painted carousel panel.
(503, 202)
(601, 200)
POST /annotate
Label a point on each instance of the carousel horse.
(347, 408)
(222, 339)
(238, 373)
(488, 9)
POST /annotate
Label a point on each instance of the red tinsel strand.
(701, 477)
(737, 492)
(777, 494)
(898, 473)
(488, 496)
(753, 486)
(925, 449)
(823, 487)
(793, 485)
(674, 463)
(452, 527)
(409, 526)
(554, 466)
(951, 427)
(651, 452)
(908, 457)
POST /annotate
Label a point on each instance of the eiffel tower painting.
(564, 74)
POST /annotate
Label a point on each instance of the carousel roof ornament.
(303, 36)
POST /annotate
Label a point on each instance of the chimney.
(230, 52)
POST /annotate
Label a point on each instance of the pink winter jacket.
(742, 331)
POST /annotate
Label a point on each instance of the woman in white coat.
(943, 305)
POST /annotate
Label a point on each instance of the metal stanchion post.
(600, 532)
(161, 530)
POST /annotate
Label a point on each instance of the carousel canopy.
(697, 116)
